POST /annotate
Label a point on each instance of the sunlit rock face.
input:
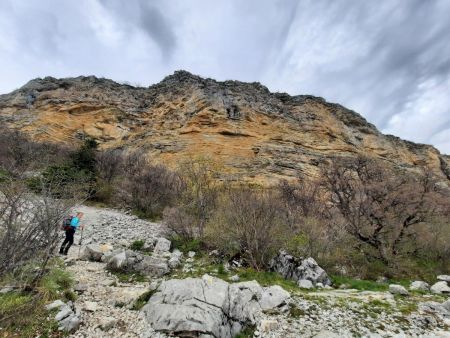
(255, 135)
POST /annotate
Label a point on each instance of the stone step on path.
(105, 303)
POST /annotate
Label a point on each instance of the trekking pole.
(81, 240)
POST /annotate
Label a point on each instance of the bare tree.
(380, 207)
(30, 225)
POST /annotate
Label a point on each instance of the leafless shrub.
(200, 191)
(108, 164)
(18, 154)
(180, 222)
(149, 188)
(249, 222)
(29, 229)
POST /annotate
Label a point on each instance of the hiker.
(70, 228)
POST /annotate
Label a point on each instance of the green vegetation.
(359, 284)
(137, 245)
(55, 283)
(142, 300)
(23, 314)
(295, 311)
(130, 277)
(185, 245)
(247, 332)
(266, 278)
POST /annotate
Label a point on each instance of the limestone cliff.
(255, 134)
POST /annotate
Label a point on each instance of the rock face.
(257, 135)
(210, 307)
(298, 269)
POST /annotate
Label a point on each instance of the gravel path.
(105, 303)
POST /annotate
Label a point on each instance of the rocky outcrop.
(257, 135)
(67, 317)
(94, 252)
(299, 270)
(210, 307)
(132, 261)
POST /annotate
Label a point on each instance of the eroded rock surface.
(210, 307)
(299, 269)
(258, 135)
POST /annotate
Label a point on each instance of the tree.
(200, 192)
(382, 208)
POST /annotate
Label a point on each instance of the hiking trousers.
(68, 241)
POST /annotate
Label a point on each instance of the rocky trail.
(105, 303)
(215, 307)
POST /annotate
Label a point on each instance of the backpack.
(66, 223)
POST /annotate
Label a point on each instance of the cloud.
(389, 60)
(145, 15)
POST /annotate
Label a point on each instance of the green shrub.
(247, 332)
(137, 245)
(142, 300)
(57, 281)
(266, 278)
(186, 245)
(359, 284)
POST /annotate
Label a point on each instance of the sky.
(388, 60)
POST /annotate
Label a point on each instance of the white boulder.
(440, 288)
(419, 286)
(305, 284)
(444, 278)
(396, 289)
(162, 245)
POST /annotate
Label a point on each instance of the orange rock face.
(255, 135)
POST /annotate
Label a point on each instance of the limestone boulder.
(95, 252)
(419, 286)
(291, 267)
(444, 278)
(133, 261)
(210, 307)
(162, 245)
(440, 288)
(396, 289)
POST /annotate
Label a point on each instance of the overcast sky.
(389, 60)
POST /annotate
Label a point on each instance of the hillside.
(255, 134)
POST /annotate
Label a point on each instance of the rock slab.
(210, 307)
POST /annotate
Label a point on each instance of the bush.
(185, 245)
(249, 222)
(148, 189)
(180, 222)
(63, 181)
(137, 245)
(197, 199)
